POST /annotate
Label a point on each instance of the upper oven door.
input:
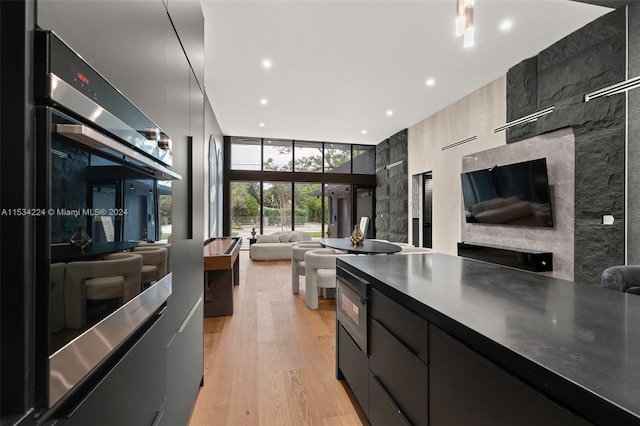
(97, 183)
(65, 81)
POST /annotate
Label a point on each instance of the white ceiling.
(338, 66)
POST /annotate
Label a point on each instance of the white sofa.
(276, 246)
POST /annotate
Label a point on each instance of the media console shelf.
(529, 260)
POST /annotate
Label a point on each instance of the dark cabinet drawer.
(383, 409)
(466, 389)
(409, 328)
(403, 375)
(354, 365)
(133, 392)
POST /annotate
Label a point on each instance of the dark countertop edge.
(556, 388)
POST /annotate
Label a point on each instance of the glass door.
(339, 210)
(365, 207)
(139, 213)
(106, 226)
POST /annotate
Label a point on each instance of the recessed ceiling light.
(506, 24)
(266, 63)
(263, 101)
(430, 82)
(261, 124)
(389, 112)
(364, 132)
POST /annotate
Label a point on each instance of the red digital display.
(83, 79)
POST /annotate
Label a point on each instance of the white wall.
(475, 114)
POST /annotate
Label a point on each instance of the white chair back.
(125, 265)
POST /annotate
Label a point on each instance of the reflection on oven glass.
(127, 214)
(350, 308)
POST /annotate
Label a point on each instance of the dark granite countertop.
(578, 344)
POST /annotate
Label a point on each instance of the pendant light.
(468, 23)
(464, 21)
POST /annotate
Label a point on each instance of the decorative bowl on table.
(357, 237)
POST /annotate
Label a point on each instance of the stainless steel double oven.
(104, 166)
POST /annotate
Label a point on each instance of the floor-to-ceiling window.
(282, 184)
(309, 208)
(246, 154)
(277, 155)
(308, 157)
(364, 159)
(276, 199)
(164, 207)
(337, 158)
(245, 209)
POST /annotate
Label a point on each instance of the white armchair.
(297, 262)
(145, 246)
(154, 262)
(118, 277)
(320, 272)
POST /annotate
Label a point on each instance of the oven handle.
(91, 138)
(361, 290)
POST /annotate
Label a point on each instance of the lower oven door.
(351, 312)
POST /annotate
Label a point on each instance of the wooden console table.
(221, 273)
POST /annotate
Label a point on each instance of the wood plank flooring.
(273, 361)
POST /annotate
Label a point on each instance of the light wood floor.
(273, 361)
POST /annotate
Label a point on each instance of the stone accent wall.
(588, 59)
(392, 197)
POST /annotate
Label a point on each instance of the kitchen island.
(459, 341)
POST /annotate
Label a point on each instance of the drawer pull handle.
(347, 274)
(393, 403)
(404, 345)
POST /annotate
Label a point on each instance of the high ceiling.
(338, 67)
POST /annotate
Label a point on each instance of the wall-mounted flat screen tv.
(516, 194)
